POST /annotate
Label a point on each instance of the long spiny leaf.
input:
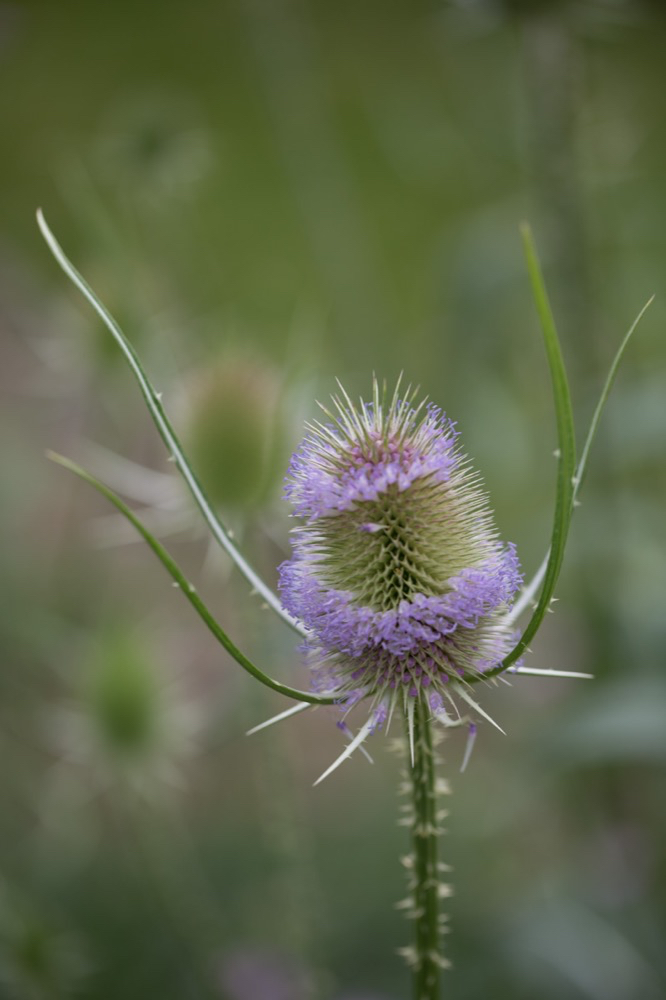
(189, 591)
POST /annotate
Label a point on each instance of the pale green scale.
(417, 543)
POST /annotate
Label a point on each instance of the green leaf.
(168, 434)
(189, 591)
(566, 467)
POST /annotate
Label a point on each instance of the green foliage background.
(269, 195)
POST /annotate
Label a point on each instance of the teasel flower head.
(397, 570)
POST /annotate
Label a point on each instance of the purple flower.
(397, 570)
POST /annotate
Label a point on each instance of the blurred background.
(269, 194)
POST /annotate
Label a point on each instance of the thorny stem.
(426, 891)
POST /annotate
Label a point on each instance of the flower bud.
(234, 432)
(124, 698)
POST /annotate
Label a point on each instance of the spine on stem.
(424, 817)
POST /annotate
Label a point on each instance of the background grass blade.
(566, 466)
(166, 431)
(188, 589)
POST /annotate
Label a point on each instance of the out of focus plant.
(124, 725)
(38, 958)
(234, 430)
(152, 149)
(398, 585)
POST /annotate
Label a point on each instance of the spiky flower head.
(397, 569)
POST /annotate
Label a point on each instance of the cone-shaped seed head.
(397, 571)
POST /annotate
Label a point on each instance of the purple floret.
(318, 485)
(339, 624)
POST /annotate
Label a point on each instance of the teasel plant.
(403, 596)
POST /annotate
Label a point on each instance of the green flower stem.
(425, 958)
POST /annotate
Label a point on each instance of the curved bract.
(189, 590)
(566, 451)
